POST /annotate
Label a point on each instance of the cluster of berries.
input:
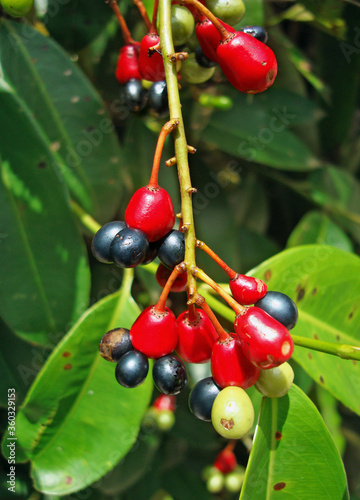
(243, 56)
(225, 473)
(257, 351)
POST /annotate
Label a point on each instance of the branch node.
(178, 56)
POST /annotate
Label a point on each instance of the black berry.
(169, 374)
(158, 99)
(134, 95)
(257, 32)
(172, 249)
(280, 307)
(103, 238)
(131, 369)
(151, 254)
(202, 60)
(115, 344)
(129, 247)
(202, 397)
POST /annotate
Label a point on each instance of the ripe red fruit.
(246, 289)
(151, 67)
(151, 210)
(225, 461)
(230, 366)
(265, 341)
(196, 337)
(163, 274)
(248, 64)
(165, 402)
(127, 66)
(209, 37)
(154, 333)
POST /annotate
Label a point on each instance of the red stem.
(192, 313)
(125, 30)
(199, 273)
(160, 306)
(200, 244)
(225, 35)
(165, 131)
(223, 335)
(153, 29)
(143, 13)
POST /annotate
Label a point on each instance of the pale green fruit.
(215, 481)
(275, 382)
(193, 73)
(232, 413)
(182, 24)
(229, 11)
(17, 8)
(235, 479)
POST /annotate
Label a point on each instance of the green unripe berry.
(17, 8)
(216, 101)
(230, 12)
(182, 24)
(275, 382)
(235, 479)
(192, 72)
(232, 413)
(165, 419)
(214, 480)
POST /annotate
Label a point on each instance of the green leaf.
(75, 24)
(339, 193)
(252, 131)
(328, 13)
(328, 407)
(77, 422)
(293, 454)
(43, 257)
(316, 227)
(323, 281)
(254, 13)
(68, 112)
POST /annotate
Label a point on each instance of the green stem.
(181, 150)
(85, 219)
(344, 351)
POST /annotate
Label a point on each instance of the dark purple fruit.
(129, 247)
(202, 397)
(103, 238)
(280, 307)
(158, 99)
(115, 344)
(202, 60)
(169, 374)
(134, 95)
(172, 249)
(131, 369)
(257, 32)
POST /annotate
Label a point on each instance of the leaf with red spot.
(296, 456)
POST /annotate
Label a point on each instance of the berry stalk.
(181, 149)
(165, 131)
(143, 13)
(223, 335)
(160, 306)
(223, 32)
(203, 246)
(125, 30)
(235, 306)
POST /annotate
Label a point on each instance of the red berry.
(230, 366)
(225, 461)
(246, 289)
(151, 67)
(165, 402)
(196, 337)
(151, 210)
(163, 274)
(154, 333)
(209, 37)
(248, 64)
(265, 341)
(127, 65)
